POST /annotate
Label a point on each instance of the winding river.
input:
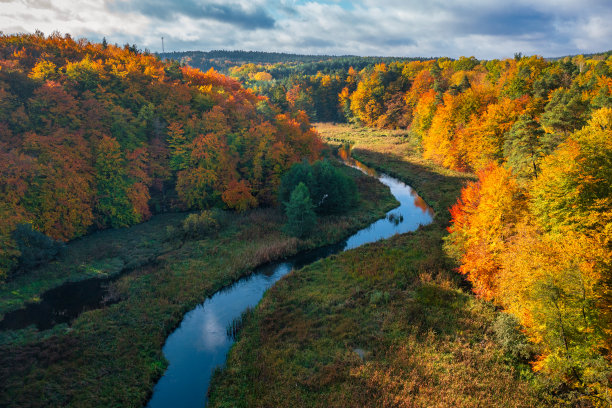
(201, 343)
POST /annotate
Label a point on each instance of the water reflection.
(201, 343)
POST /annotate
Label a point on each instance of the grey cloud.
(315, 42)
(397, 41)
(234, 14)
(504, 22)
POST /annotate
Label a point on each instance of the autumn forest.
(231, 160)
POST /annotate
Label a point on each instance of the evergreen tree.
(299, 173)
(565, 113)
(333, 192)
(522, 147)
(301, 217)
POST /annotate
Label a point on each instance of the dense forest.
(94, 136)
(280, 65)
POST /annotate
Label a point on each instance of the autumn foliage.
(534, 233)
(542, 250)
(97, 136)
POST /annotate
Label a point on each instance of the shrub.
(378, 297)
(513, 341)
(200, 225)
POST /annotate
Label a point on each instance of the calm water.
(61, 305)
(200, 343)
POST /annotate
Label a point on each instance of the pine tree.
(522, 147)
(565, 113)
(301, 217)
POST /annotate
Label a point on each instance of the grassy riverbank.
(389, 324)
(112, 356)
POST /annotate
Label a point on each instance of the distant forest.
(222, 61)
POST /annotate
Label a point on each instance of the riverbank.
(389, 324)
(113, 355)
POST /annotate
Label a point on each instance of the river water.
(201, 342)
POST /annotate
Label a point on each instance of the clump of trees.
(310, 189)
(541, 248)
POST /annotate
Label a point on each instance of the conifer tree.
(301, 217)
(522, 147)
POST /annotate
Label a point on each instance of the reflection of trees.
(420, 203)
(345, 154)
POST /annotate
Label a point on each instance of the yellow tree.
(483, 220)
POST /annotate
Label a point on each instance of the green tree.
(333, 192)
(35, 247)
(522, 147)
(301, 217)
(565, 113)
(299, 173)
(113, 208)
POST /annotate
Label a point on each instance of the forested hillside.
(280, 65)
(94, 136)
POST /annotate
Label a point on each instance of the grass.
(389, 324)
(112, 356)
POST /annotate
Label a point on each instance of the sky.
(414, 28)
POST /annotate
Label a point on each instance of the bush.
(35, 247)
(200, 225)
(378, 297)
(513, 341)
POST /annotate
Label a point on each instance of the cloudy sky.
(482, 28)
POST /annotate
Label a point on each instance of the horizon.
(392, 28)
(423, 57)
